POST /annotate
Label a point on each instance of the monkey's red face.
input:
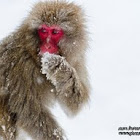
(50, 37)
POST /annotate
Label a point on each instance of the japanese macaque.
(41, 62)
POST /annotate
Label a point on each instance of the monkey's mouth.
(48, 47)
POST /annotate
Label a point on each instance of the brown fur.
(24, 90)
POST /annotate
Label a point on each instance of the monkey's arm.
(71, 89)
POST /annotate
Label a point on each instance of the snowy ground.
(113, 62)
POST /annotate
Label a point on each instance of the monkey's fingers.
(50, 62)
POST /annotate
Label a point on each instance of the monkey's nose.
(48, 39)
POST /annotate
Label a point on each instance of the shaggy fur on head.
(69, 17)
(23, 89)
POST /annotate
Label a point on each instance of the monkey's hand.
(63, 76)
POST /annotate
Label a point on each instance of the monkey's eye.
(55, 31)
(43, 30)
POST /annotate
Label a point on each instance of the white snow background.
(113, 62)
